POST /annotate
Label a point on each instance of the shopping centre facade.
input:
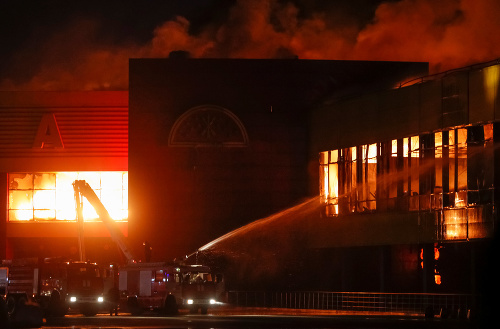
(405, 173)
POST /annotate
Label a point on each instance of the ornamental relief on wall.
(208, 125)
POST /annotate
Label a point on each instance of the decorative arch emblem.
(208, 125)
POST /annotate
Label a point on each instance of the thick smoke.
(447, 34)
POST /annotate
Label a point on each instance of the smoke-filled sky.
(85, 45)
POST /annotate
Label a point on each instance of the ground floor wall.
(458, 268)
(461, 268)
(101, 250)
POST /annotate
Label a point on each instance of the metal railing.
(403, 303)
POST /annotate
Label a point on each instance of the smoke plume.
(447, 34)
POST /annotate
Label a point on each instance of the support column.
(496, 171)
(3, 214)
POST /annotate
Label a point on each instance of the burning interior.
(447, 172)
(49, 196)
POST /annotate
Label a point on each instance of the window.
(348, 179)
(414, 178)
(329, 181)
(50, 196)
(393, 174)
(368, 179)
(437, 193)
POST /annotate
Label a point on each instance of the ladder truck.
(157, 286)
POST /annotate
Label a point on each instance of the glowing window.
(50, 196)
(414, 171)
(462, 159)
(369, 177)
(438, 162)
(329, 180)
(438, 144)
(333, 183)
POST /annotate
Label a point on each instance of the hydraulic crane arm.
(82, 188)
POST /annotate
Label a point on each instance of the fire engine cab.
(57, 285)
(166, 287)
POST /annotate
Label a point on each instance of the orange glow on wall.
(50, 196)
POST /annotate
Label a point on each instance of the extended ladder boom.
(82, 188)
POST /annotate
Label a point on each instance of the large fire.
(50, 196)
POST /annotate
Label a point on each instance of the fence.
(408, 303)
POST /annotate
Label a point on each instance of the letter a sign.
(48, 135)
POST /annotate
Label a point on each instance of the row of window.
(50, 196)
(437, 171)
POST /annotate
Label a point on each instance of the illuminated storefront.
(49, 140)
(50, 197)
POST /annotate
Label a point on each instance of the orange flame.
(50, 196)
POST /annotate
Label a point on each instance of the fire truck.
(158, 286)
(56, 285)
(165, 288)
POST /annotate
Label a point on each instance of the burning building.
(408, 179)
(49, 140)
(406, 174)
(214, 144)
(218, 143)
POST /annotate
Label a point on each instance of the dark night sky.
(61, 44)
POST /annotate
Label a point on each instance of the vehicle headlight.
(72, 299)
(190, 302)
(100, 299)
(213, 301)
